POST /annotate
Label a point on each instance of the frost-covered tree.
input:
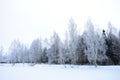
(73, 39)
(95, 45)
(101, 48)
(61, 59)
(16, 51)
(25, 54)
(92, 43)
(113, 44)
(55, 52)
(35, 51)
(89, 40)
(74, 46)
(80, 51)
(44, 57)
(66, 51)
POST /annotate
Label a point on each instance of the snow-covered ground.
(58, 72)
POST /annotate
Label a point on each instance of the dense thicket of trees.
(93, 47)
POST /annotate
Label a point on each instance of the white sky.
(29, 19)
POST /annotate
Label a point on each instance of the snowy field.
(58, 72)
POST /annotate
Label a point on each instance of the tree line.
(94, 47)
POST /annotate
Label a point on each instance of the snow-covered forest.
(93, 47)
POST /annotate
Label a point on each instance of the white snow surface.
(58, 72)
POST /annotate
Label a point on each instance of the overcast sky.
(26, 20)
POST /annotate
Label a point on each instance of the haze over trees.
(93, 47)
